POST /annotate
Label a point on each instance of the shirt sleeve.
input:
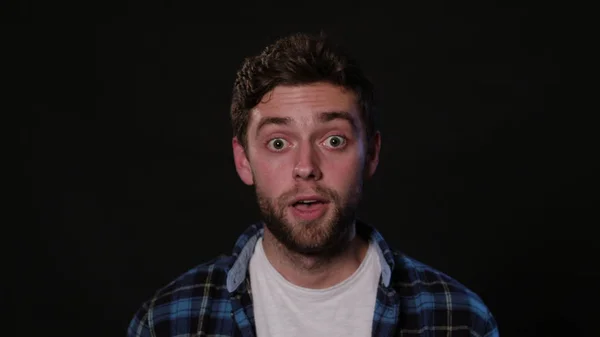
(139, 327)
(491, 327)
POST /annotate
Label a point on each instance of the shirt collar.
(245, 244)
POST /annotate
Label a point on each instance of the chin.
(316, 237)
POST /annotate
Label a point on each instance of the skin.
(294, 148)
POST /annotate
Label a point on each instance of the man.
(305, 138)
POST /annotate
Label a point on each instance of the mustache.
(321, 191)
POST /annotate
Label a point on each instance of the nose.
(307, 163)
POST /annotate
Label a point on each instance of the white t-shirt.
(284, 309)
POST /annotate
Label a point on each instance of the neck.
(315, 271)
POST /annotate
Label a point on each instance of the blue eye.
(335, 141)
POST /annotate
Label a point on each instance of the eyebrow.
(323, 117)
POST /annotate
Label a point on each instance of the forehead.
(305, 102)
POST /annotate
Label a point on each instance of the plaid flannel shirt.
(215, 298)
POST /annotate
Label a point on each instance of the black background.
(483, 169)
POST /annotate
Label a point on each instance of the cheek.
(271, 175)
(344, 173)
(343, 176)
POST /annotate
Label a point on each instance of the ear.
(373, 155)
(242, 165)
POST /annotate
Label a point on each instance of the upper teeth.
(307, 201)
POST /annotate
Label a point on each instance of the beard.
(325, 236)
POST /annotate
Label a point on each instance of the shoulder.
(183, 299)
(434, 296)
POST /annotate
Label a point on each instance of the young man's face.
(306, 156)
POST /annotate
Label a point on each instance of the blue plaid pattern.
(215, 299)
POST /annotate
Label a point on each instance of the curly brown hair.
(295, 60)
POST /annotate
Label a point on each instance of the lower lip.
(311, 213)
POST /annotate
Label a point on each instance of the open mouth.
(307, 205)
